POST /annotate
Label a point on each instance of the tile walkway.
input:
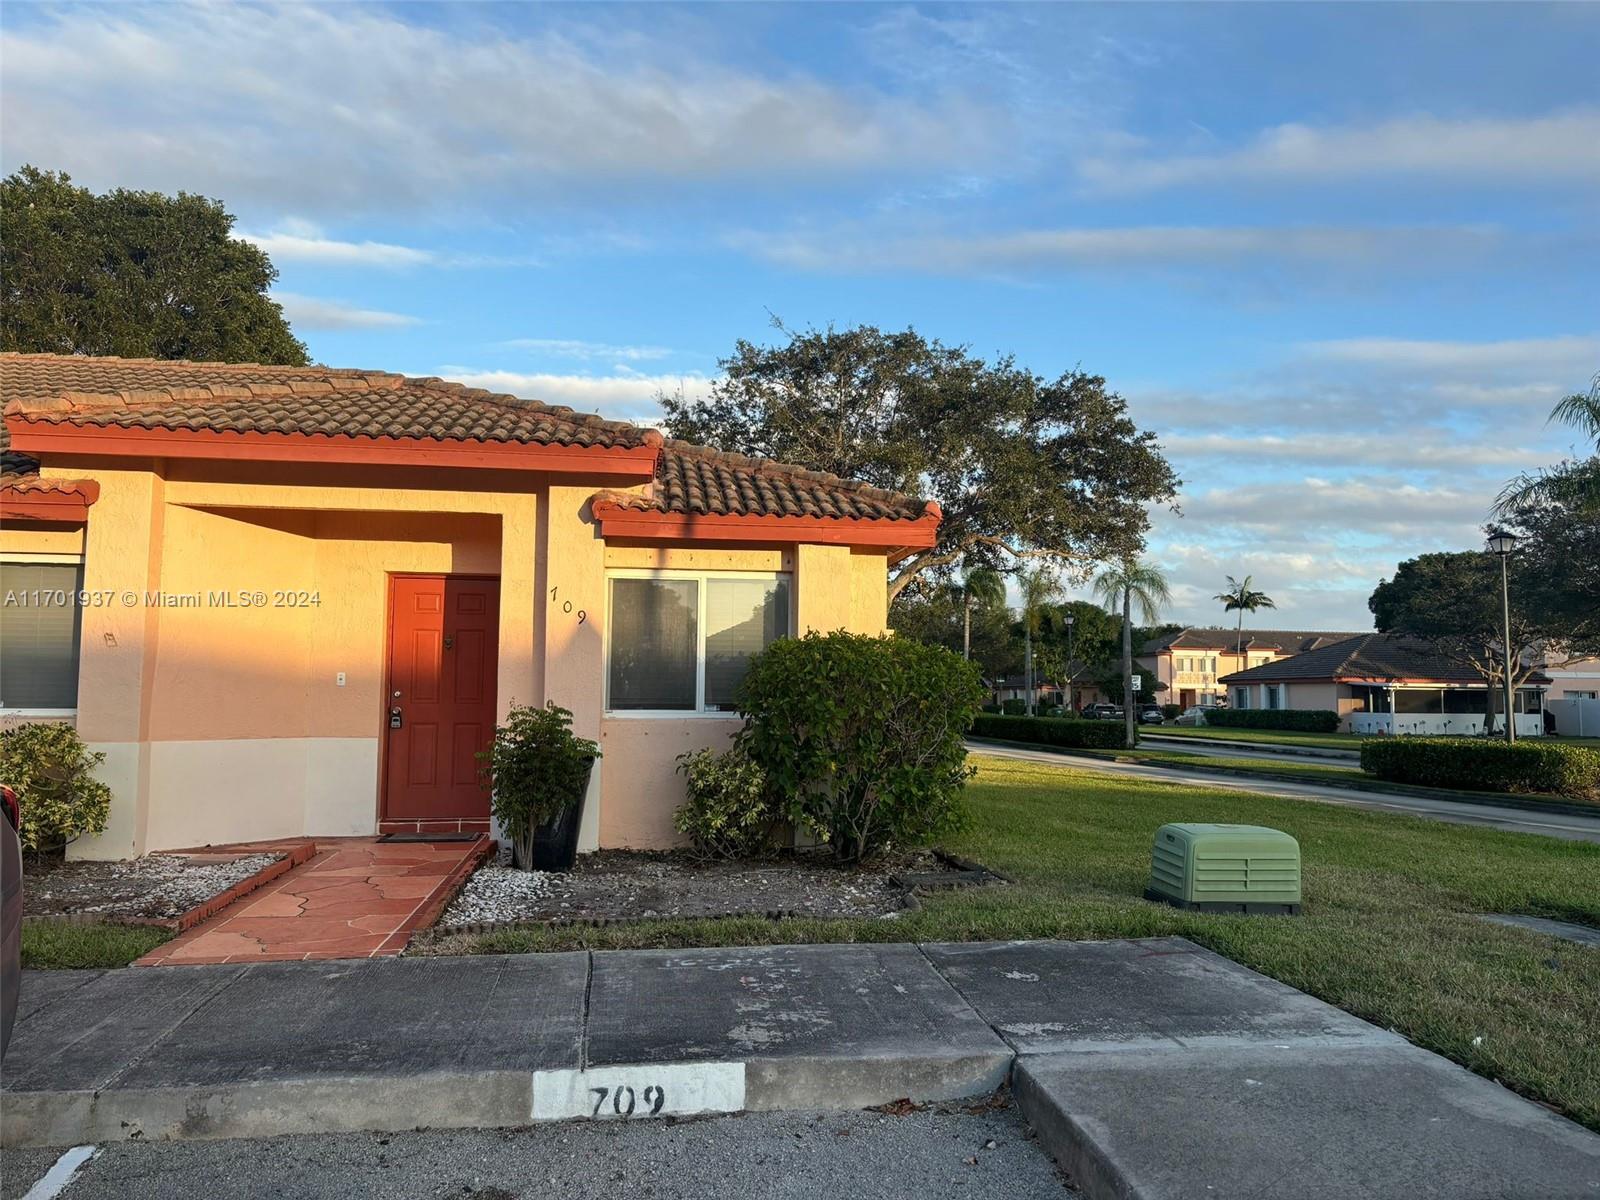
(356, 898)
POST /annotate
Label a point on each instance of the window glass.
(742, 617)
(39, 635)
(653, 643)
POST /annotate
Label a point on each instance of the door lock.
(394, 718)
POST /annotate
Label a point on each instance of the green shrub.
(728, 813)
(1052, 731)
(1172, 711)
(1485, 765)
(1014, 708)
(1301, 720)
(52, 772)
(861, 737)
(536, 769)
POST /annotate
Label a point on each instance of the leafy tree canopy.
(935, 614)
(1453, 601)
(139, 274)
(1558, 551)
(1022, 466)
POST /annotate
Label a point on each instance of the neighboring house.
(1192, 662)
(1576, 680)
(1574, 697)
(1078, 689)
(308, 595)
(1379, 684)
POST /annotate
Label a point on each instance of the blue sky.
(1342, 259)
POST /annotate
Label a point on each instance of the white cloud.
(573, 348)
(1330, 449)
(309, 246)
(352, 107)
(1569, 355)
(1555, 148)
(309, 312)
(1182, 247)
(623, 397)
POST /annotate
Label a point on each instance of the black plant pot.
(554, 845)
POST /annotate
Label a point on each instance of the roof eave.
(903, 534)
(53, 502)
(630, 463)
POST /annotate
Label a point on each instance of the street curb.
(461, 1100)
(1492, 800)
(1071, 1146)
(391, 1104)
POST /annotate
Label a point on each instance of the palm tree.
(1240, 598)
(1581, 412)
(1128, 583)
(982, 586)
(1036, 589)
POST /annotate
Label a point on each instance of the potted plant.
(537, 771)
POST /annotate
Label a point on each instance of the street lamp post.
(1502, 544)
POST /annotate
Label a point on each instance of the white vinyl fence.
(1575, 717)
(1438, 724)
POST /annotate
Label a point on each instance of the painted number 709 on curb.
(623, 1100)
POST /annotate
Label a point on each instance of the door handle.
(394, 717)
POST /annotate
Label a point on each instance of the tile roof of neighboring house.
(693, 479)
(251, 398)
(1365, 656)
(1285, 641)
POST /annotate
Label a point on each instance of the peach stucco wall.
(224, 723)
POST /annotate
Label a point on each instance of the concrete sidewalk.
(1152, 1069)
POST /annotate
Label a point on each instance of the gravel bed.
(157, 885)
(621, 884)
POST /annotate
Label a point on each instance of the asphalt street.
(945, 1151)
(1512, 820)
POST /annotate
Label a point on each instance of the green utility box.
(1225, 868)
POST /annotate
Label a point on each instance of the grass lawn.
(47, 944)
(1387, 932)
(1280, 737)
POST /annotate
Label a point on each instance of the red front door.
(440, 703)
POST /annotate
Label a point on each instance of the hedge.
(1051, 731)
(1301, 720)
(1485, 765)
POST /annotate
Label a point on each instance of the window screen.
(743, 616)
(39, 634)
(653, 643)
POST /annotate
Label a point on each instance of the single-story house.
(1077, 688)
(1192, 662)
(291, 601)
(1383, 684)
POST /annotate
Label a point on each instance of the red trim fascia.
(633, 463)
(619, 522)
(66, 504)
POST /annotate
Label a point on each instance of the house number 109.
(566, 606)
(622, 1100)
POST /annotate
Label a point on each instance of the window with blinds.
(682, 641)
(39, 630)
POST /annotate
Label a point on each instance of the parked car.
(1195, 714)
(1150, 714)
(1102, 712)
(10, 913)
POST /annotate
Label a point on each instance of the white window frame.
(699, 712)
(30, 557)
